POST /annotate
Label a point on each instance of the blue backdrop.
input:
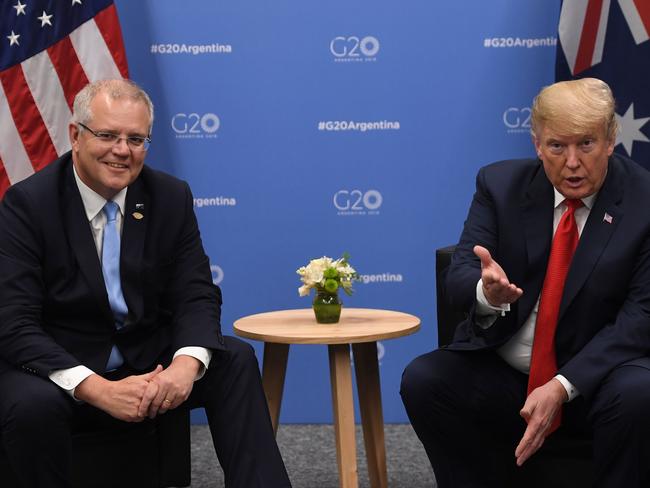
(313, 128)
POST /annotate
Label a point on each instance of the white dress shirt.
(517, 351)
(70, 378)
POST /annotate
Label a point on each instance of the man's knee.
(414, 378)
(33, 404)
(421, 380)
(635, 402)
(240, 352)
(627, 393)
(239, 359)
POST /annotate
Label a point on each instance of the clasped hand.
(169, 388)
(135, 397)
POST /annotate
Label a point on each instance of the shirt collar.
(588, 202)
(93, 201)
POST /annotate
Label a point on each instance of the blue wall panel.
(248, 95)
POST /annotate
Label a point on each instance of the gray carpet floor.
(310, 457)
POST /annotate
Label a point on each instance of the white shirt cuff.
(571, 390)
(69, 379)
(202, 354)
(486, 308)
(487, 313)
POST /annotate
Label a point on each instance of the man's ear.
(73, 132)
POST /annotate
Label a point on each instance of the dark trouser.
(464, 405)
(37, 419)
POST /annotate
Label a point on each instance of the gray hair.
(118, 88)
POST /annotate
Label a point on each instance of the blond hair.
(575, 107)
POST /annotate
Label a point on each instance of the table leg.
(367, 371)
(274, 368)
(341, 378)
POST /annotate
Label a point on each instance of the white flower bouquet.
(327, 275)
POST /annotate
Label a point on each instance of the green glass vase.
(327, 308)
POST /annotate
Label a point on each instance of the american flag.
(610, 40)
(49, 49)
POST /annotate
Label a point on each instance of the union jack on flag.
(608, 39)
(49, 49)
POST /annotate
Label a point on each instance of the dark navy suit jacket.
(54, 310)
(604, 316)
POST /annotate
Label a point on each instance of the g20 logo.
(517, 119)
(357, 201)
(194, 123)
(217, 274)
(353, 47)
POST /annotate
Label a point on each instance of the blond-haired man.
(485, 388)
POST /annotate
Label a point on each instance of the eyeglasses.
(135, 143)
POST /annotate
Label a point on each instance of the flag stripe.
(70, 73)
(4, 179)
(588, 36)
(600, 33)
(109, 27)
(27, 118)
(95, 57)
(16, 162)
(49, 98)
(632, 12)
(572, 16)
(643, 6)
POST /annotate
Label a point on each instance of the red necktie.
(543, 365)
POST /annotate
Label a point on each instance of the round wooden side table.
(359, 327)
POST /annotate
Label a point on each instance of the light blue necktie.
(111, 272)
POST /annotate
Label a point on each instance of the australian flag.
(610, 40)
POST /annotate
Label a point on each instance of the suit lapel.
(82, 243)
(132, 247)
(595, 236)
(537, 218)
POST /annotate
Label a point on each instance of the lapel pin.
(139, 206)
(608, 218)
(137, 215)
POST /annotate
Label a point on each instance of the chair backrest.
(448, 316)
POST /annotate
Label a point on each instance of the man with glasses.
(107, 306)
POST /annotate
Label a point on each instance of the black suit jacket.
(604, 316)
(54, 310)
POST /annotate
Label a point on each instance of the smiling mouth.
(115, 165)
